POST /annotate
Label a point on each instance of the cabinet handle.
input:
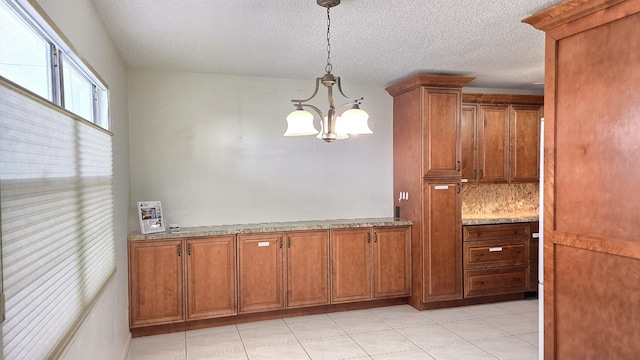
(280, 242)
(515, 232)
(458, 168)
(479, 255)
(479, 233)
(179, 249)
(375, 240)
(458, 187)
(475, 174)
(481, 174)
(515, 252)
(288, 242)
(189, 249)
(479, 282)
(368, 238)
(515, 279)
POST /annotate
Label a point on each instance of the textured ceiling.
(372, 41)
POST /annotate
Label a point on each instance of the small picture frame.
(151, 217)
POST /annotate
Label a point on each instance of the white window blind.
(56, 197)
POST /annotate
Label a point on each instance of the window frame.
(62, 53)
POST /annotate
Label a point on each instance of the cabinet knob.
(479, 255)
(458, 166)
(475, 174)
(479, 233)
(480, 283)
(481, 174)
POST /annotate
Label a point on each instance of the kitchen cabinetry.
(211, 280)
(156, 282)
(427, 165)
(307, 268)
(442, 218)
(496, 259)
(391, 262)
(350, 265)
(270, 265)
(260, 272)
(370, 264)
(500, 138)
(533, 250)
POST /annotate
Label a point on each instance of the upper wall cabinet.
(500, 138)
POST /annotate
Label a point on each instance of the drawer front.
(496, 232)
(482, 254)
(496, 281)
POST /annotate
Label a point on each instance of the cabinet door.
(441, 132)
(493, 140)
(156, 282)
(442, 263)
(524, 143)
(211, 281)
(468, 143)
(260, 272)
(307, 268)
(392, 262)
(350, 265)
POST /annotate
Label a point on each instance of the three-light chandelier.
(347, 119)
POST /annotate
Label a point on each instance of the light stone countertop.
(188, 232)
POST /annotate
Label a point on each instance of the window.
(33, 56)
(56, 187)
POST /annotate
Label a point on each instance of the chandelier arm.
(342, 108)
(355, 100)
(315, 92)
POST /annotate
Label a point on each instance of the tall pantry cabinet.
(426, 168)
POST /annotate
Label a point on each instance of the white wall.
(105, 332)
(210, 147)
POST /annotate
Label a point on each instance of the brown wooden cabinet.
(534, 258)
(260, 272)
(211, 277)
(427, 156)
(500, 138)
(370, 263)
(496, 259)
(156, 282)
(307, 268)
(350, 265)
(442, 250)
(391, 262)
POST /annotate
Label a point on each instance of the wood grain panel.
(524, 143)
(350, 265)
(307, 268)
(468, 143)
(596, 305)
(441, 132)
(493, 135)
(211, 277)
(443, 242)
(392, 262)
(260, 275)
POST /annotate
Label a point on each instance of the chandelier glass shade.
(347, 119)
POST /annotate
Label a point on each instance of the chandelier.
(347, 119)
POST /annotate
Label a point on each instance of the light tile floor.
(507, 330)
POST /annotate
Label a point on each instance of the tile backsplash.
(500, 199)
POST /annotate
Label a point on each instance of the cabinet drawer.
(496, 281)
(482, 254)
(497, 231)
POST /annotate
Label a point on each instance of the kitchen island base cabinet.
(211, 280)
(156, 282)
(260, 275)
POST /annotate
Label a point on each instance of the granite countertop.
(482, 219)
(269, 227)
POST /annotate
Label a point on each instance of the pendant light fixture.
(337, 123)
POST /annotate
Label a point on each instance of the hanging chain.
(329, 67)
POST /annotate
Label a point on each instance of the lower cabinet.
(534, 248)
(157, 279)
(275, 264)
(496, 259)
(211, 280)
(260, 273)
(179, 280)
(156, 275)
(370, 264)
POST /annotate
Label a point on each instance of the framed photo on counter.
(150, 216)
